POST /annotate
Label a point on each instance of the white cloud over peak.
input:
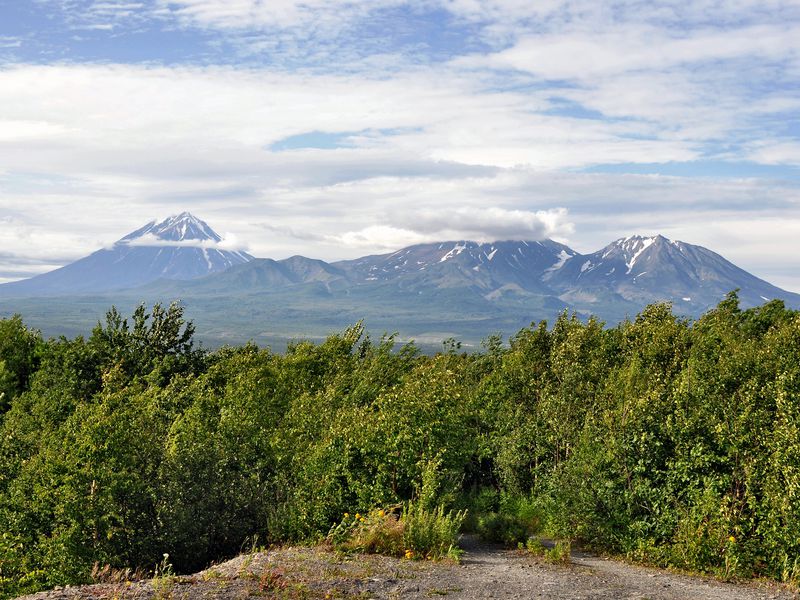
(488, 223)
(452, 223)
(229, 242)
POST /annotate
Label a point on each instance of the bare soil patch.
(486, 571)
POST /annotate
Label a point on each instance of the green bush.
(432, 533)
(502, 529)
(673, 442)
(416, 532)
(559, 553)
(514, 521)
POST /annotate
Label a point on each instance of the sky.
(335, 129)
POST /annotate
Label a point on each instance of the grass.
(559, 553)
(410, 531)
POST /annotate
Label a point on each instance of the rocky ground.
(485, 571)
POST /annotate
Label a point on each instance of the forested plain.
(669, 441)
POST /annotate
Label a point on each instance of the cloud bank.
(338, 128)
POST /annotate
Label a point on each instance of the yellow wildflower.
(409, 554)
(381, 514)
(731, 539)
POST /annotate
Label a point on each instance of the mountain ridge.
(612, 283)
(457, 288)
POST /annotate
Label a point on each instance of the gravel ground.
(485, 572)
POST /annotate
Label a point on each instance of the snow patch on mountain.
(563, 257)
(642, 246)
(457, 249)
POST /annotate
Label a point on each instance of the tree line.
(670, 441)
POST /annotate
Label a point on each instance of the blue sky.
(333, 128)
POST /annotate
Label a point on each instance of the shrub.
(432, 533)
(502, 528)
(477, 502)
(378, 532)
(518, 519)
(560, 553)
(415, 533)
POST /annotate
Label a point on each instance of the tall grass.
(416, 532)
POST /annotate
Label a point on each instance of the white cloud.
(381, 237)
(776, 153)
(99, 15)
(478, 146)
(587, 54)
(319, 17)
(453, 223)
(170, 122)
(488, 223)
(229, 242)
(10, 41)
(499, 16)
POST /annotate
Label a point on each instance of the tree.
(161, 338)
(18, 358)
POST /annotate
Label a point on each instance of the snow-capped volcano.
(647, 269)
(179, 247)
(184, 227)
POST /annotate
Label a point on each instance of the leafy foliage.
(670, 441)
(18, 358)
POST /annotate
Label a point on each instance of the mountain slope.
(487, 267)
(640, 270)
(180, 247)
(257, 276)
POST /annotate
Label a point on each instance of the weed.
(535, 546)
(560, 553)
(273, 580)
(501, 528)
(163, 579)
(108, 574)
(790, 573)
(442, 591)
(432, 534)
(213, 575)
(415, 533)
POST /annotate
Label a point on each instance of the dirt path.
(493, 572)
(486, 571)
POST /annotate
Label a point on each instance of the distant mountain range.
(427, 291)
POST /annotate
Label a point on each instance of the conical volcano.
(179, 247)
